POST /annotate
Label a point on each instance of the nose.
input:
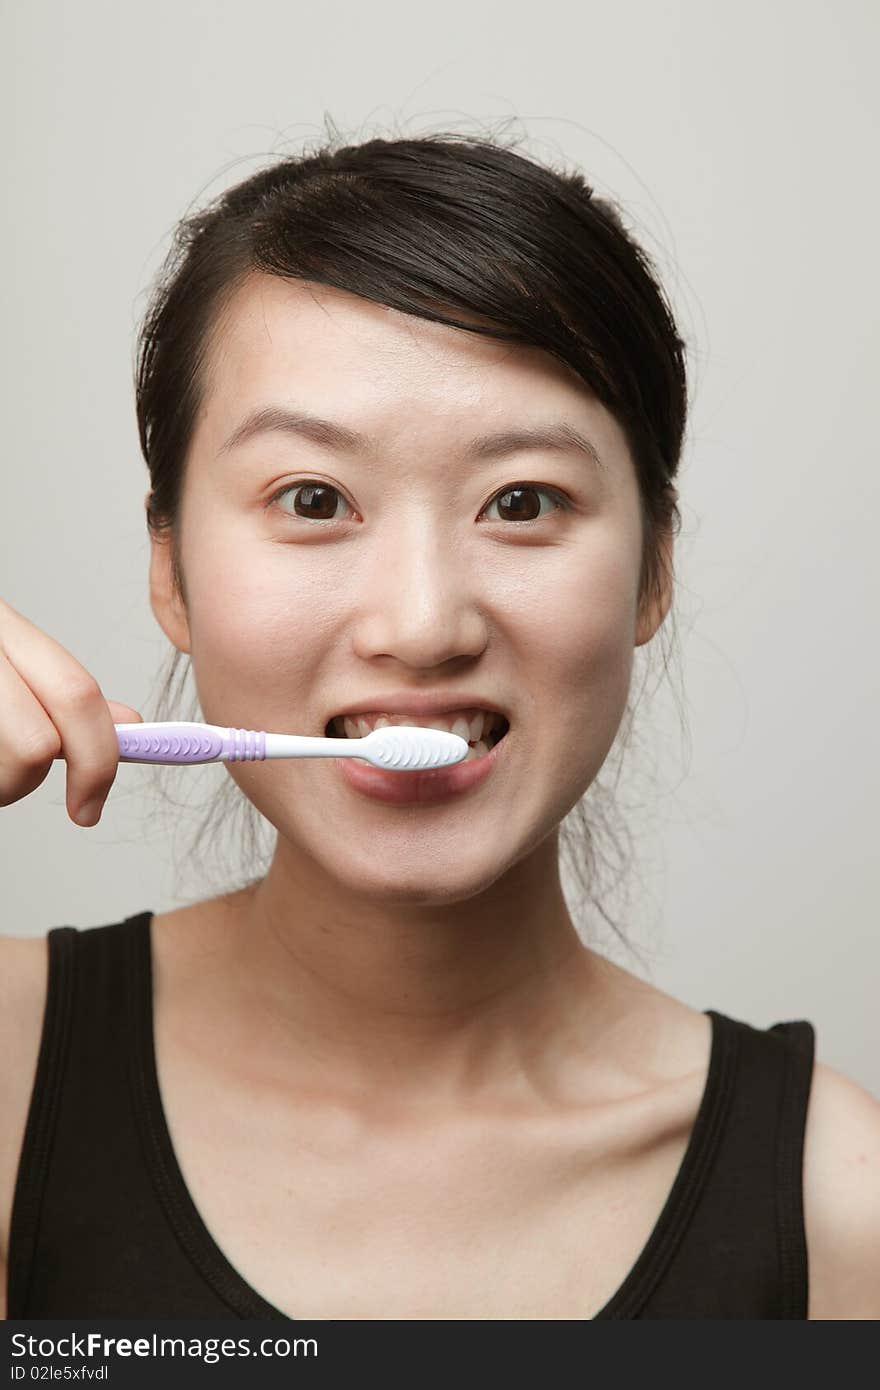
(420, 602)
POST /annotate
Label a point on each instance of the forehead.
(334, 353)
(287, 333)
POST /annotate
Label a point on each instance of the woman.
(412, 412)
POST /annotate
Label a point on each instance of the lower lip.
(419, 788)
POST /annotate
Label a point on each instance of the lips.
(421, 704)
(431, 786)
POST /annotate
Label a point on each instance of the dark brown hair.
(462, 230)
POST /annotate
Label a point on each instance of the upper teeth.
(470, 724)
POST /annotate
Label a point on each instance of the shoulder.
(841, 1178)
(23, 980)
(24, 972)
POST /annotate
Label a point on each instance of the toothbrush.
(397, 747)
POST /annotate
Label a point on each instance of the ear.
(166, 603)
(656, 606)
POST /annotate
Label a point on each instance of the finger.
(73, 704)
(28, 739)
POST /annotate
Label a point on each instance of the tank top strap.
(39, 1133)
(800, 1035)
(739, 1241)
(78, 1124)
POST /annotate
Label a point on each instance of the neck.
(422, 1003)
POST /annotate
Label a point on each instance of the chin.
(417, 877)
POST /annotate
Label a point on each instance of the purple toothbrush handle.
(171, 742)
(244, 745)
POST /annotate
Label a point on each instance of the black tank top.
(103, 1224)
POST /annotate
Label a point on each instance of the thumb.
(123, 714)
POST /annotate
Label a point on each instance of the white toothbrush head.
(408, 748)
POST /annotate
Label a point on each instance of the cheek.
(577, 666)
(255, 632)
(250, 593)
(579, 617)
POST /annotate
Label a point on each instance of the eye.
(317, 501)
(517, 501)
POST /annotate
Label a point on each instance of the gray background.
(741, 142)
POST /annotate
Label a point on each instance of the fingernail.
(89, 813)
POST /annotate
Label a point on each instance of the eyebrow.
(332, 435)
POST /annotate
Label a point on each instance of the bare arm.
(842, 1198)
(23, 976)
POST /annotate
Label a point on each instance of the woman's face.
(411, 571)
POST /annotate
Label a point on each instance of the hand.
(53, 708)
